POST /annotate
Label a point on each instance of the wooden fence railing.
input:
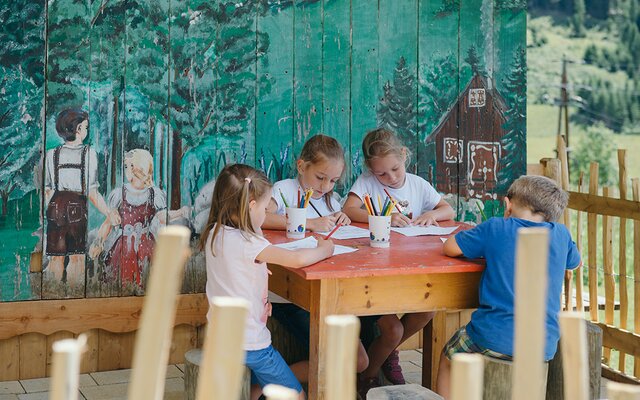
(606, 274)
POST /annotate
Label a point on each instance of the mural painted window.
(477, 98)
(453, 150)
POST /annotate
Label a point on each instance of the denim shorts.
(267, 366)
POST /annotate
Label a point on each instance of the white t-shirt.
(70, 179)
(289, 188)
(415, 197)
(234, 272)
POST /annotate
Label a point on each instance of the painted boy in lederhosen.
(71, 173)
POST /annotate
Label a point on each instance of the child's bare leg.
(363, 358)
(390, 335)
(56, 267)
(444, 374)
(255, 392)
(75, 269)
(301, 370)
(412, 323)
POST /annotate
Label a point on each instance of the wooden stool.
(498, 378)
(192, 359)
(402, 392)
(594, 353)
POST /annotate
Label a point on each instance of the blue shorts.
(267, 366)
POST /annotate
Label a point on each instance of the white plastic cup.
(296, 222)
(379, 230)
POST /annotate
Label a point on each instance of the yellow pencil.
(308, 197)
(379, 204)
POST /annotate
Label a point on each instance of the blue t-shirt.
(492, 324)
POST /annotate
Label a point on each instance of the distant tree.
(591, 55)
(577, 21)
(514, 5)
(438, 89)
(597, 145)
(473, 60)
(514, 159)
(397, 108)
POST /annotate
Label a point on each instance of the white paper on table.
(311, 243)
(348, 232)
(443, 239)
(424, 230)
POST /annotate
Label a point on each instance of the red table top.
(405, 256)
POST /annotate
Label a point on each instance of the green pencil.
(283, 199)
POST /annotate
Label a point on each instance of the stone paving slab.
(43, 384)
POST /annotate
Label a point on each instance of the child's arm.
(98, 201)
(273, 220)
(441, 212)
(296, 258)
(451, 248)
(354, 208)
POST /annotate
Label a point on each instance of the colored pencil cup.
(379, 230)
(296, 222)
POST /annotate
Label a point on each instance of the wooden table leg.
(323, 302)
(427, 355)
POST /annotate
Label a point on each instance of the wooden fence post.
(467, 376)
(222, 366)
(575, 365)
(579, 278)
(607, 259)
(532, 249)
(343, 334)
(622, 254)
(592, 238)
(635, 186)
(66, 368)
(277, 392)
(153, 340)
(621, 391)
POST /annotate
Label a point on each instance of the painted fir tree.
(397, 108)
(514, 154)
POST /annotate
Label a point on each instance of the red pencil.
(391, 198)
(331, 233)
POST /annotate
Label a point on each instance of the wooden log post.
(192, 362)
(343, 335)
(223, 353)
(498, 383)
(153, 339)
(467, 376)
(607, 259)
(579, 244)
(622, 253)
(574, 355)
(529, 372)
(622, 391)
(592, 238)
(635, 187)
(277, 392)
(65, 374)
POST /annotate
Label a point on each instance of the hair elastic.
(247, 179)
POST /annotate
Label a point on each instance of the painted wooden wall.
(201, 83)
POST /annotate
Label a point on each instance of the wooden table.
(410, 276)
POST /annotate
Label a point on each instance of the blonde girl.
(320, 166)
(236, 258)
(139, 202)
(386, 158)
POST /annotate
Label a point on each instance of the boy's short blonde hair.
(539, 194)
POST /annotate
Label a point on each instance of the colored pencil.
(385, 206)
(375, 212)
(380, 204)
(315, 209)
(333, 231)
(283, 199)
(391, 198)
(298, 196)
(308, 197)
(366, 205)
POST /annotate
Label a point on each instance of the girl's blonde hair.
(235, 187)
(142, 165)
(382, 142)
(320, 148)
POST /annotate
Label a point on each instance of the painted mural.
(116, 116)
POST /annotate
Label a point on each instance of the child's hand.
(322, 224)
(326, 245)
(426, 219)
(400, 220)
(96, 248)
(342, 218)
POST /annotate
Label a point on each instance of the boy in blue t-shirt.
(532, 201)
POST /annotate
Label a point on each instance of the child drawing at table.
(236, 259)
(386, 158)
(141, 206)
(531, 201)
(320, 166)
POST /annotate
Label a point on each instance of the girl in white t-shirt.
(320, 166)
(386, 158)
(236, 258)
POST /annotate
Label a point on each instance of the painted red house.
(468, 142)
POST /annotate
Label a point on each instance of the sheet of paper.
(348, 232)
(443, 239)
(311, 242)
(424, 230)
